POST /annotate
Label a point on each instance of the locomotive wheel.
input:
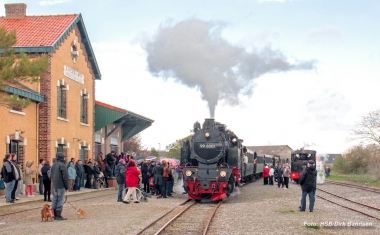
(231, 185)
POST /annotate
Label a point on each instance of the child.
(28, 179)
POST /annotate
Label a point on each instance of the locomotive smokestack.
(209, 123)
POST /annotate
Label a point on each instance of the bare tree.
(134, 145)
(368, 129)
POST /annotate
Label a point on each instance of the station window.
(84, 107)
(62, 99)
(14, 148)
(60, 148)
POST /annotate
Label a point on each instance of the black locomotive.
(214, 161)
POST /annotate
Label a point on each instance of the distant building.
(283, 150)
(329, 159)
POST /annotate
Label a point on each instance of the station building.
(61, 114)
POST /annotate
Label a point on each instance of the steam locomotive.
(299, 160)
(214, 162)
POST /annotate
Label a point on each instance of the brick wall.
(44, 111)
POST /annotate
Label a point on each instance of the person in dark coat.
(110, 159)
(96, 171)
(46, 181)
(60, 179)
(80, 174)
(145, 176)
(120, 178)
(9, 176)
(158, 171)
(150, 173)
(279, 174)
(308, 182)
(90, 173)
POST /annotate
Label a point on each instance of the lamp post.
(159, 146)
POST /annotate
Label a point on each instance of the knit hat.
(310, 162)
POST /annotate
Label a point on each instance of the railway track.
(180, 220)
(39, 207)
(374, 190)
(356, 204)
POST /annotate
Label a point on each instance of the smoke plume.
(194, 53)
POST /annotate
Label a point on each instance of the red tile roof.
(108, 106)
(35, 31)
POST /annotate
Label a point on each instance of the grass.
(286, 211)
(313, 226)
(359, 179)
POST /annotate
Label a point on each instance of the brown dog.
(46, 213)
(81, 212)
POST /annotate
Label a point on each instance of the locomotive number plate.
(207, 146)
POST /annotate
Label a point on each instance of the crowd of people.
(65, 176)
(280, 174)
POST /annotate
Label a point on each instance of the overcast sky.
(276, 72)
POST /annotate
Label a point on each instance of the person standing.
(72, 175)
(266, 174)
(286, 174)
(96, 174)
(28, 179)
(158, 171)
(100, 159)
(46, 180)
(145, 176)
(17, 176)
(279, 173)
(328, 172)
(169, 185)
(132, 180)
(120, 179)
(165, 177)
(90, 173)
(40, 178)
(308, 182)
(110, 165)
(271, 173)
(8, 172)
(60, 179)
(79, 172)
(20, 183)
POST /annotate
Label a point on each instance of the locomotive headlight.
(207, 134)
(223, 174)
(188, 173)
(234, 140)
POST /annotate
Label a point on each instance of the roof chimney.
(15, 10)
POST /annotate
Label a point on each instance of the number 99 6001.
(207, 146)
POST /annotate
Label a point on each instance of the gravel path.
(254, 209)
(261, 209)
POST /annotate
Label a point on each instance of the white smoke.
(193, 53)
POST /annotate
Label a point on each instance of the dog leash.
(69, 203)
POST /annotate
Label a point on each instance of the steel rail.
(172, 219)
(36, 208)
(371, 216)
(374, 190)
(210, 217)
(155, 221)
(371, 207)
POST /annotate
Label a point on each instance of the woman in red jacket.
(131, 180)
(266, 174)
